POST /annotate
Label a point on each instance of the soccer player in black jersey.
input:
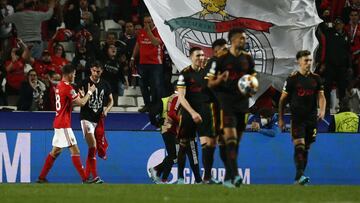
(223, 78)
(195, 115)
(219, 48)
(99, 104)
(304, 91)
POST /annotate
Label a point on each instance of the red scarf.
(101, 142)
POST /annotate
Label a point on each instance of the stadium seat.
(132, 109)
(12, 100)
(102, 35)
(132, 91)
(69, 56)
(68, 46)
(118, 32)
(174, 78)
(174, 70)
(8, 108)
(117, 109)
(126, 101)
(140, 101)
(111, 24)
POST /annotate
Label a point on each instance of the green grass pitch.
(175, 193)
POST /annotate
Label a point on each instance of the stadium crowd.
(38, 37)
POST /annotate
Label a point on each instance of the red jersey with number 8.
(64, 96)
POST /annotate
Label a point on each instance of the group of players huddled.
(207, 102)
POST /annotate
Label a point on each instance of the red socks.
(47, 166)
(78, 165)
(91, 163)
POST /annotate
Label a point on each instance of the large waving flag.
(276, 30)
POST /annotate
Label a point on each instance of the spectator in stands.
(49, 27)
(149, 47)
(84, 56)
(90, 27)
(351, 5)
(75, 11)
(49, 98)
(114, 73)
(58, 57)
(137, 28)
(353, 30)
(130, 40)
(43, 66)
(5, 28)
(14, 67)
(112, 39)
(28, 25)
(335, 64)
(31, 93)
(119, 11)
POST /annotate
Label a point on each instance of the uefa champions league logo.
(213, 22)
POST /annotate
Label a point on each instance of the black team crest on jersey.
(96, 100)
(214, 22)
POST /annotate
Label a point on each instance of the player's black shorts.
(232, 112)
(304, 128)
(187, 127)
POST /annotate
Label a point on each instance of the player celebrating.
(195, 112)
(223, 77)
(91, 113)
(64, 137)
(304, 91)
(208, 143)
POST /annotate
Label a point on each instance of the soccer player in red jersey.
(65, 97)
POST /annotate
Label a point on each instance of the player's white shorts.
(63, 137)
(88, 127)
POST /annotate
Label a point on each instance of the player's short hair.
(218, 42)
(193, 49)
(302, 53)
(96, 64)
(68, 69)
(234, 31)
